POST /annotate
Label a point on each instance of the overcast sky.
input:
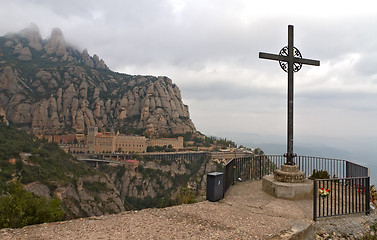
(210, 50)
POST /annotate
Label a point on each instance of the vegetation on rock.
(186, 196)
(159, 183)
(45, 165)
(19, 208)
(46, 162)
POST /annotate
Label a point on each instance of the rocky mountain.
(49, 87)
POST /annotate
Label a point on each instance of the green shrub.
(48, 163)
(121, 170)
(185, 196)
(20, 208)
(96, 187)
(322, 174)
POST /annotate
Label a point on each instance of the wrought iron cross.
(290, 61)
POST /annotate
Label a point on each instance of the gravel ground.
(246, 212)
(348, 227)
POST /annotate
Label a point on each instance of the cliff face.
(116, 189)
(48, 87)
(157, 180)
(91, 196)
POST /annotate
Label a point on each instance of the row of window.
(129, 145)
(104, 144)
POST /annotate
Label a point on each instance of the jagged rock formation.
(157, 180)
(118, 185)
(79, 201)
(3, 117)
(48, 87)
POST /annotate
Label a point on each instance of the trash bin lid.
(215, 173)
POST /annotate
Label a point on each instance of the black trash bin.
(215, 186)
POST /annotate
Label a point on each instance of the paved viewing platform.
(246, 212)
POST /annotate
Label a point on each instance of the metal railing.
(341, 197)
(337, 168)
(345, 178)
(250, 168)
(228, 175)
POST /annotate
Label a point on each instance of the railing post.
(367, 199)
(233, 170)
(225, 180)
(314, 199)
(260, 167)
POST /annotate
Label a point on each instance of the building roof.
(104, 135)
(132, 161)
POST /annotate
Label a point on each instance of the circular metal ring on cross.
(296, 53)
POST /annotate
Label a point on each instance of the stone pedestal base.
(289, 174)
(294, 191)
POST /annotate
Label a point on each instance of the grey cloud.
(63, 8)
(367, 64)
(228, 90)
(356, 102)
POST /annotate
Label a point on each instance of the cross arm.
(270, 56)
(306, 61)
(276, 57)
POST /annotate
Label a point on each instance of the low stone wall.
(294, 191)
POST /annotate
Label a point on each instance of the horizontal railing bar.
(355, 164)
(336, 215)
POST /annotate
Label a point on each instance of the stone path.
(246, 212)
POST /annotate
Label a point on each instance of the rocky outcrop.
(79, 201)
(3, 117)
(38, 189)
(57, 89)
(109, 191)
(56, 44)
(160, 178)
(25, 54)
(155, 180)
(33, 36)
(199, 181)
(54, 49)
